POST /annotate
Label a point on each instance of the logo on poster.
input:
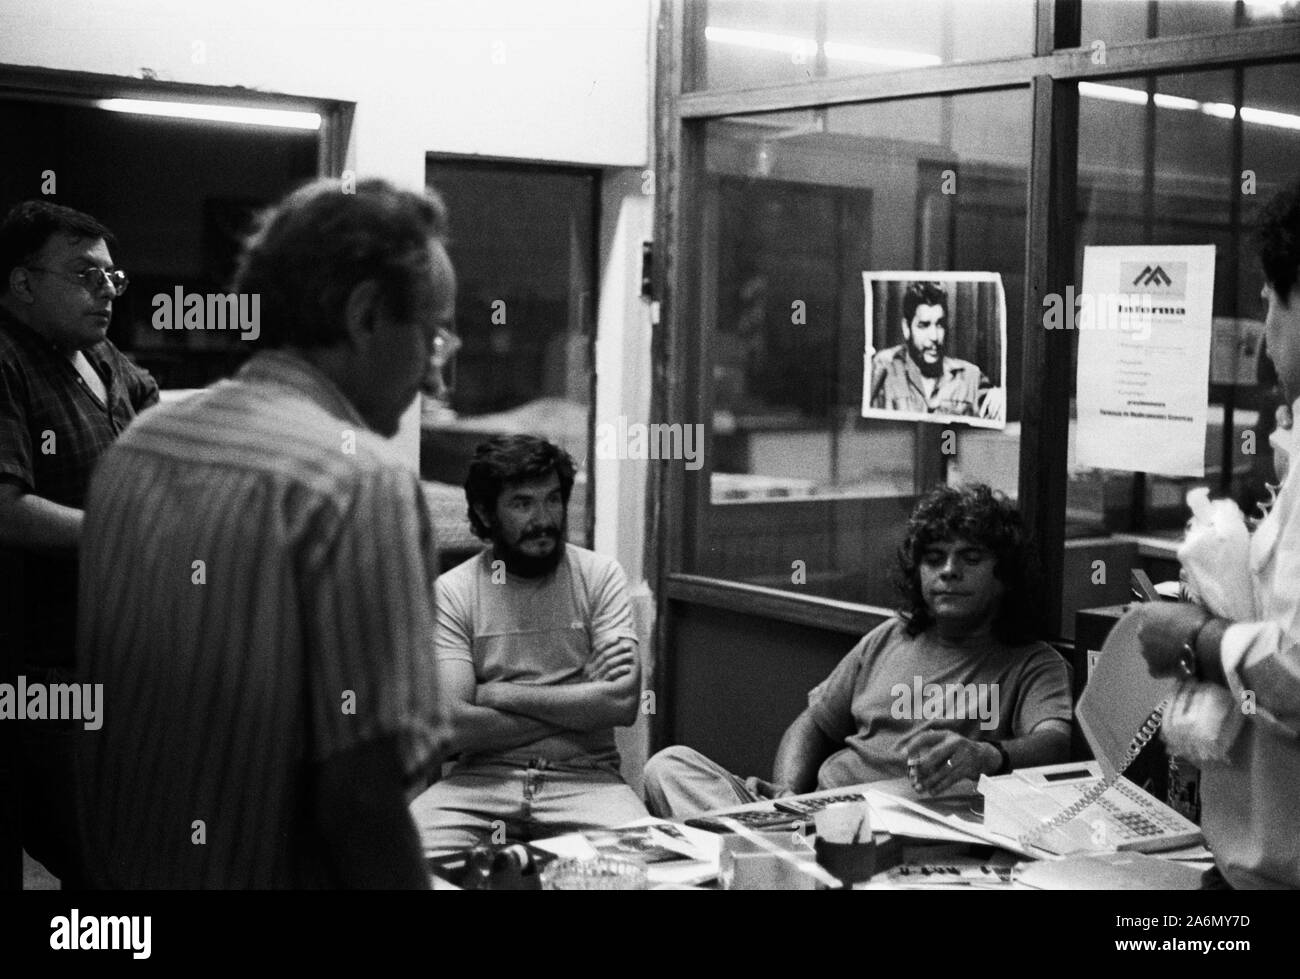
(1163, 280)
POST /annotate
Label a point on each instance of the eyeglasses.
(445, 345)
(92, 278)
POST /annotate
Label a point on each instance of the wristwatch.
(1187, 660)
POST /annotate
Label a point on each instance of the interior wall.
(436, 75)
(565, 81)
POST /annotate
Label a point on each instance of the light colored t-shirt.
(890, 683)
(536, 630)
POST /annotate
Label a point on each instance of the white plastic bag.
(1215, 556)
(1203, 721)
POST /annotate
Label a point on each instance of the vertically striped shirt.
(257, 574)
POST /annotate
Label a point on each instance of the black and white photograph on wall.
(935, 347)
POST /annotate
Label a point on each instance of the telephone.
(1089, 806)
(1070, 808)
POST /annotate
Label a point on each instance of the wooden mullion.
(664, 526)
(1255, 45)
(940, 80)
(1045, 382)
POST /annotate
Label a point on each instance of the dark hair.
(313, 248)
(923, 294)
(509, 459)
(982, 516)
(29, 225)
(1278, 240)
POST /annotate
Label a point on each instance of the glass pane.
(807, 494)
(522, 242)
(1160, 169)
(749, 43)
(1113, 21)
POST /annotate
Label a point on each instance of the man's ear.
(20, 285)
(484, 515)
(362, 314)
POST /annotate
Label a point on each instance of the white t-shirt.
(536, 630)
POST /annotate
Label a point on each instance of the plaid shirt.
(52, 432)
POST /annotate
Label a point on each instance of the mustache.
(543, 532)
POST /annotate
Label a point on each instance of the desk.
(926, 842)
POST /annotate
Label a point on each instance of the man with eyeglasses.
(66, 394)
(258, 574)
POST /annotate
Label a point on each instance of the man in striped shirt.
(257, 578)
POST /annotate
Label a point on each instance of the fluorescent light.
(1175, 102)
(280, 118)
(1113, 93)
(1220, 110)
(1267, 117)
(880, 56)
(758, 39)
(788, 44)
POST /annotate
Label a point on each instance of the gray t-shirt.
(536, 630)
(891, 683)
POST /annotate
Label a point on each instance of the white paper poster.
(1144, 317)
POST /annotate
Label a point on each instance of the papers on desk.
(1124, 871)
(897, 808)
(674, 854)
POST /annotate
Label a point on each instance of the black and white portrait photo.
(935, 347)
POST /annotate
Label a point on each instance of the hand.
(1283, 417)
(938, 760)
(763, 789)
(615, 658)
(993, 403)
(1162, 630)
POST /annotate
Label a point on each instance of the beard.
(525, 565)
(927, 370)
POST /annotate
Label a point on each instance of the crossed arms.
(500, 715)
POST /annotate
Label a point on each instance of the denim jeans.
(510, 800)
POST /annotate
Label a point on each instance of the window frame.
(589, 305)
(679, 499)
